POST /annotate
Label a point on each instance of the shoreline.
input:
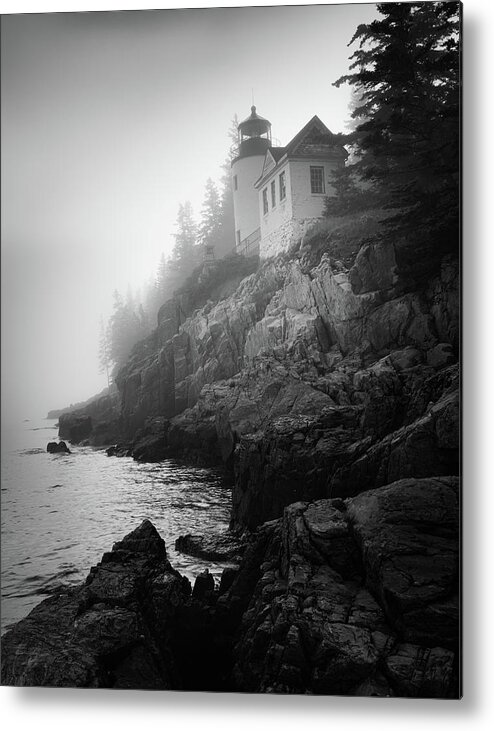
(304, 575)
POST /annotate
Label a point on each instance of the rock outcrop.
(352, 597)
(96, 423)
(333, 364)
(57, 448)
(216, 547)
(114, 631)
(355, 597)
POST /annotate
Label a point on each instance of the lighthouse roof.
(254, 125)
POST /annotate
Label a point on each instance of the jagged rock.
(356, 597)
(295, 342)
(97, 422)
(57, 448)
(375, 268)
(404, 422)
(203, 584)
(111, 632)
(150, 442)
(228, 576)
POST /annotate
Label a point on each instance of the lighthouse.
(254, 139)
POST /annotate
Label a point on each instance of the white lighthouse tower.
(254, 138)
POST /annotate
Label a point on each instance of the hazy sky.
(109, 121)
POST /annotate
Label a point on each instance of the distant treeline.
(135, 315)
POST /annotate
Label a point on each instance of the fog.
(109, 121)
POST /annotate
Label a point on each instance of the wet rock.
(57, 448)
(215, 547)
(119, 450)
(111, 632)
(150, 442)
(351, 597)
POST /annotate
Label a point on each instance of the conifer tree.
(405, 70)
(185, 254)
(226, 238)
(127, 326)
(210, 226)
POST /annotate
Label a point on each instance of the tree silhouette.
(185, 254)
(406, 72)
(210, 226)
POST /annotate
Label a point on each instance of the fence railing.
(250, 245)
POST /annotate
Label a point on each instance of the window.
(235, 183)
(273, 193)
(238, 237)
(282, 186)
(265, 201)
(316, 179)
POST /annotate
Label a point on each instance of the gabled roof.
(273, 154)
(314, 140)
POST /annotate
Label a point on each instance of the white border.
(55, 709)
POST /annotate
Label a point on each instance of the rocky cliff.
(327, 382)
(316, 378)
(97, 422)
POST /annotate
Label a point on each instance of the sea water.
(61, 512)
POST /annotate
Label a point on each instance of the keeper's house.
(278, 192)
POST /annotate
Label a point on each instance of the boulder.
(57, 448)
(215, 547)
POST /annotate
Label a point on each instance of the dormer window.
(316, 179)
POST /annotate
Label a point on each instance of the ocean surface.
(61, 512)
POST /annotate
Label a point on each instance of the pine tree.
(226, 238)
(185, 252)
(210, 226)
(406, 71)
(127, 326)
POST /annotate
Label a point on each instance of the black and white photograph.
(231, 348)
